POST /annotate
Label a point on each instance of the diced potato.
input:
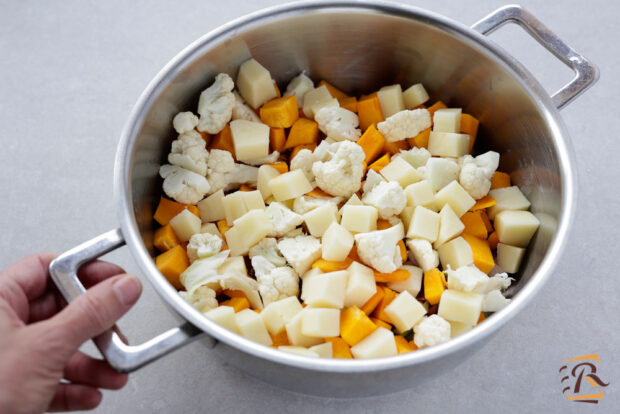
(516, 228)
(359, 219)
(253, 200)
(404, 311)
(378, 344)
(508, 198)
(326, 290)
(447, 120)
(185, 224)
(509, 257)
(458, 328)
(449, 226)
(252, 327)
(234, 206)
(336, 243)
(289, 185)
(355, 325)
(412, 285)
(455, 253)
(461, 307)
(235, 264)
(420, 194)
(251, 140)
(453, 194)
(265, 174)
(406, 215)
(320, 323)
(323, 350)
(212, 207)
(448, 144)
(320, 218)
(361, 285)
(277, 314)
(298, 350)
(248, 230)
(293, 331)
(224, 316)
(391, 100)
(415, 95)
(306, 281)
(440, 172)
(400, 171)
(316, 99)
(255, 84)
(424, 224)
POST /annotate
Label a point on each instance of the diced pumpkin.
(403, 250)
(303, 132)
(278, 93)
(340, 349)
(389, 296)
(372, 142)
(245, 187)
(280, 339)
(333, 91)
(402, 345)
(223, 141)
(469, 126)
(485, 202)
(380, 163)
(279, 166)
(481, 318)
(223, 226)
(474, 224)
(433, 285)
(298, 148)
(483, 258)
(434, 107)
(167, 209)
(353, 254)
(206, 137)
(233, 293)
(237, 303)
(493, 240)
(327, 266)
(395, 147)
(172, 263)
(486, 220)
(381, 324)
(369, 112)
(280, 112)
(372, 303)
(165, 238)
(318, 193)
(500, 180)
(396, 276)
(383, 224)
(420, 140)
(355, 325)
(277, 138)
(350, 103)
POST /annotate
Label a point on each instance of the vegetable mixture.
(333, 226)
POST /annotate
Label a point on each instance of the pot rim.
(124, 203)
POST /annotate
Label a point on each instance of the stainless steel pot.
(358, 46)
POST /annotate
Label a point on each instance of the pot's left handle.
(122, 357)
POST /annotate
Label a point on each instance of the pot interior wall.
(359, 51)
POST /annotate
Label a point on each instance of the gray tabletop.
(69, 74)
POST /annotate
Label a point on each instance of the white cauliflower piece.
(195, 275)
(417, 157)
(282, 218)
(184, 122)
(270, 158)
(338, 123)
(373, 179)
(423, 253)
(388, 197)
(294, 233)
(304, 161)
(342, 175)
(326, 150)
(378, 248)
(242, 111)
(183, 185)
(300, 252)
(224, 174)
(298, 86)
(189, 152)
(203, 245)
(467, 279)
(494, 301)
(405, 124)
(203, 298)
(476, 173)
(215, 104)
(432, 330)
(499, 281)
(268, 248)
(274, 283)
(303, 204)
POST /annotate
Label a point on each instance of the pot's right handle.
(122, 357)
(585, 71)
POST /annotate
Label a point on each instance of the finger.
(44, 307)
(97, 271)
(85, 370)
(73, 397)
(95, 311)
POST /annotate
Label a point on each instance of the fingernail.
(127, 289)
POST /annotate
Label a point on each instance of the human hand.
(39, 339)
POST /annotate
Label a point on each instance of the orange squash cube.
(237, 303)
(483, 258)
(172, 263)
(389, 296)
(327, 266)
(279, 166)
(434, 107)
(333, 91)
(485, 202)
(223, 141)
(349, 103)
(474, 224)
(280, 112)
(380, 163)
(381, 324)
(340, 349)
(298, 148)
(396, 276)
(420, 140)
(396, 146)
(372, 142)
(165, 238)
(355, 325)
(369, 112)
(280, 339)
(434, 285)
(500, 180)
(277, 138)
(303, 132)
(469, 126)
(486, 220)
(402, 345)
(372, 303)
(223, 226)
(167, 209)
(493, 240)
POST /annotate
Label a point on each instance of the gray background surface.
(70, 72)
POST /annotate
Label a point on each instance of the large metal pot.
(358, 46)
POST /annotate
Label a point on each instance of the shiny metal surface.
(360, 46)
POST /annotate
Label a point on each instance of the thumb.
(96, 310)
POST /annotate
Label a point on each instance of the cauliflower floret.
(184, 122)
(189, 152)
(338, 123)
(494, 301)
(300, 252)
(342, 175)
(224, 174)
(196, 274)
(499, 281)
(467, 279)
(183, 185)
(373, 179)
(203, 245)
(282, 218)
(388, 197)
(303, 161)
(326, 150)
(216, 104)
(405, 124)
(476, 173)
(274, 283)
(417, 157)
(268, 248)
(203, 298)
(423, 253)
(242, 111)
(431, 331)
(303, 204)
(378, 248)
(270, 158)
(298, 86)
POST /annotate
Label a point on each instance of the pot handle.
(585, 71)
(122, 357)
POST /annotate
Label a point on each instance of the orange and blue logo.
(580, 380)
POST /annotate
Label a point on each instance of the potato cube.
(298, 350)
(248, 230)
(391, 100)
(316, 99)
(277, 314)
(420, 194)
(440, 172)
(250, 139)
(359, 219)
(412, 285)
(415, 95)
(449, 226)
(400, 171)
(458, 328)
(305, 281)
(233, 265)
(289, 185)
(185, 224)
(323, 350)
(448, 144)
(251, 326)
(320, 218)
(295, 336)
(336, 243)
(455, 253)
(210, 228)
(361, 285)
(508, 198)
(320, 323)
(453, 194)
(378, 344)
(234, 206)
(464, 307)
(225, 317)
(509, 257)
(447, 120)
(212, 207)
(355, 325)
(405, 311)
(326, 290)
(253, 200)
(255, 84)
(265, 174)
(424, 224)
(515, 228)
(406, 215)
